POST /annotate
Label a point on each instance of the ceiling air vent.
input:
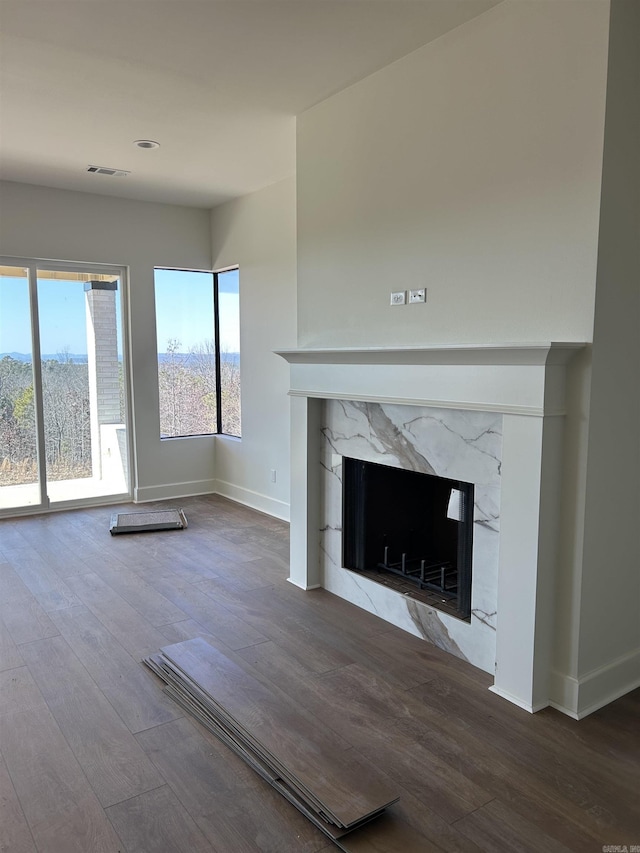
(104, 170)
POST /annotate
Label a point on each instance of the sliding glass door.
(63, 426)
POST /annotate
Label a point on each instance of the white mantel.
(523, 379)
(525, 383)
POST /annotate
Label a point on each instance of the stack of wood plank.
(285, 744)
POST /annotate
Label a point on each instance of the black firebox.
(410, 531)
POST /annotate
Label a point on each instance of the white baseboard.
(306, 588)
(168, 491)
(247, 497)
(526, 706)
(254, 500)
(579, 697)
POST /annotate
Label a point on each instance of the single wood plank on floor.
(23, 617)
(11, 536)
(15, 835)
(106, 750)
(157, 822)
(62, 811)
(10, 657)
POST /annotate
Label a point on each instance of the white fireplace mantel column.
(524, 382)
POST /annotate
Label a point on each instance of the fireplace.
(406, 444)
(488, 415)
(409, 531)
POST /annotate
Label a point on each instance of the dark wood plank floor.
(94, 757)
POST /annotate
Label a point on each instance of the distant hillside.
(76, 358)
(164, 357)
(79, 358)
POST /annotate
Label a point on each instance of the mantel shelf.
(535, 353)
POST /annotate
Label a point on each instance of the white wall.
(471, 167)
(55, 224)
(609, 646)
(258, 232)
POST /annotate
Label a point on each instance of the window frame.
(33, 266)
(216, 340)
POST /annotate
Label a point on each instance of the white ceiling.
(217, 82)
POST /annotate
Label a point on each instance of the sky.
(184, 307)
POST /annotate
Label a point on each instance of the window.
(64, 437)
(198, 335)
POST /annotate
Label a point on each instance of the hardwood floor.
(94, 757)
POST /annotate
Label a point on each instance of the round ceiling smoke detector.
(146, 143)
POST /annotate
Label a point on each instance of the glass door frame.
(33, 266)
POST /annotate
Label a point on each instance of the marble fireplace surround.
(489, 414)
(457, 444)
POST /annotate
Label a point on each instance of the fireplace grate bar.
(433, 575)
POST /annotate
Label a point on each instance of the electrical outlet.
(417, 296)
(398, 297)
(273, 475)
